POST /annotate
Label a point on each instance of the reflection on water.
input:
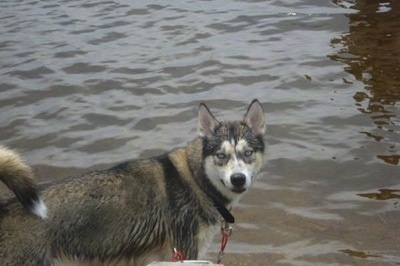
(89, 84)
(384, 194)
(359, 254)
(371, 51)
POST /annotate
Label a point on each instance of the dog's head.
(232, 151)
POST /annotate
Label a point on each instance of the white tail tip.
(40, 209)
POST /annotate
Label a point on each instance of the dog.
(136, 212)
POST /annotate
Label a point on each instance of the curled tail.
(19, 178)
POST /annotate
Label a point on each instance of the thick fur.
(136, 212)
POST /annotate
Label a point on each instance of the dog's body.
(136, 212)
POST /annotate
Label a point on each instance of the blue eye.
(221, 155)
(248, 153)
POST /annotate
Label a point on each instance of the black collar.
(225, 213)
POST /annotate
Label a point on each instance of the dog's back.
(134, 213)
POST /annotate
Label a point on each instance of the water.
(85, 85)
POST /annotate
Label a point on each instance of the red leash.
(226, 231)
(177, 256)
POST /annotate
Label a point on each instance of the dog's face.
(232, 151)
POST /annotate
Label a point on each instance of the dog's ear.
(207, 122)
(255, 118)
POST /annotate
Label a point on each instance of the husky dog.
(138, 211)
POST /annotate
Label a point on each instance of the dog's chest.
(205, 236)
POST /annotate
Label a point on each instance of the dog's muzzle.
(238, 181)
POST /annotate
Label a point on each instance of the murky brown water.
(88, 84)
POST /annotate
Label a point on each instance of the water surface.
(85, 85)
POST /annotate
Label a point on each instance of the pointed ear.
(207, 122)
(255, 118)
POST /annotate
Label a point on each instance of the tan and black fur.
(136, 212)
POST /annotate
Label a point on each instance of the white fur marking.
(40, 209)
(206, 235)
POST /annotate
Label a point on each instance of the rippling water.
(89, 84)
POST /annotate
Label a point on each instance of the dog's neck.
(225, 213)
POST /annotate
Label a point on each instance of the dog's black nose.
(238, 180)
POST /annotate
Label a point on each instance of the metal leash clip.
(226, 228)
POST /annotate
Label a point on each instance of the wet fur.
(131, 214)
